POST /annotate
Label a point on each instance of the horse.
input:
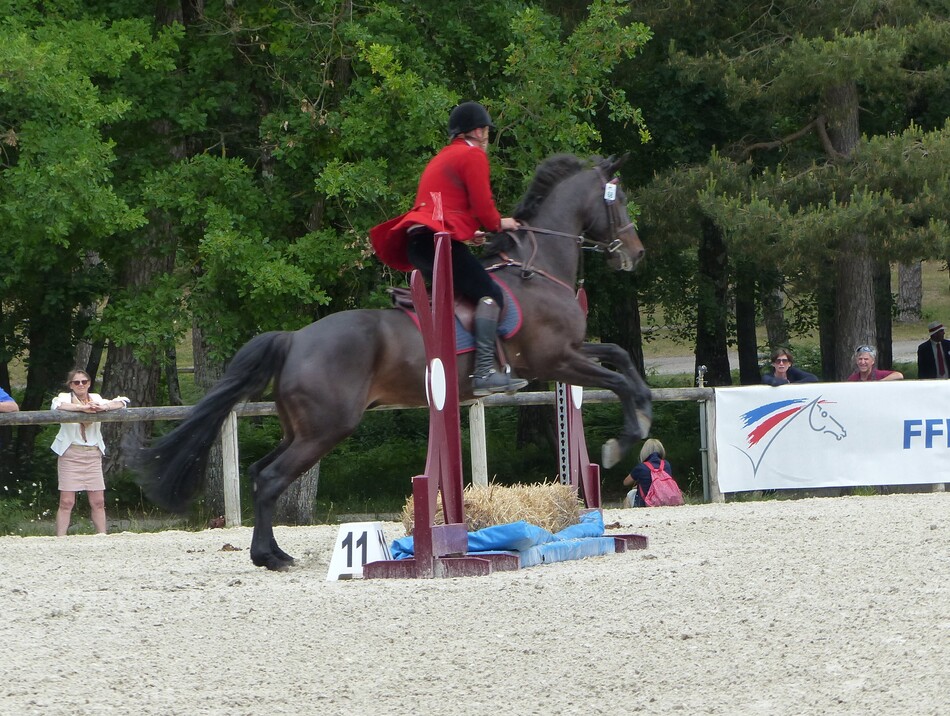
(327, 374)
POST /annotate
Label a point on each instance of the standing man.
(933, 356)
(454, 195)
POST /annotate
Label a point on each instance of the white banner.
(833, 435)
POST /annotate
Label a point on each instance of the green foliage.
(772, 180)
(223, 171)
(12, 516)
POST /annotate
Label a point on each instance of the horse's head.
(569, 198)
(822, 421)
(610, 224)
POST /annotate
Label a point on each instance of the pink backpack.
(663, 492)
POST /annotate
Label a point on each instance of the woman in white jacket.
(80, 448)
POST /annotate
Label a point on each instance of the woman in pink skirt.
(80, 449)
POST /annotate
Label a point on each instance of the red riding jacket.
(460, 173)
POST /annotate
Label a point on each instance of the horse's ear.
(617, 162)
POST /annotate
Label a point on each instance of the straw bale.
(550, 505)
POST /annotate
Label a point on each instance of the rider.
(459, 173)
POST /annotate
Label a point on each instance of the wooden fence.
(705, 397)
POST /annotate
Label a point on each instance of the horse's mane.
(549, 174)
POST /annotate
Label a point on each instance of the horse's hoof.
(272, 562)
(610, 453)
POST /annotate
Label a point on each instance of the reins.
(528, 269)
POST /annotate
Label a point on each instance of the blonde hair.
(652, 446)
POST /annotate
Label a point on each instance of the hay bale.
(550, 505)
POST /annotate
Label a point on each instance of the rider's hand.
(509, 224)
(478, 238)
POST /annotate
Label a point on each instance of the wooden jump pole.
(439, 550)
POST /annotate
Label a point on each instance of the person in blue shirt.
(784, 370)
(640, 477)
(7, 403)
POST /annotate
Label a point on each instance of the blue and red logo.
(767, 422)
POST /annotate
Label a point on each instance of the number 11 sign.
(356, 544)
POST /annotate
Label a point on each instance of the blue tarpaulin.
(532, 543)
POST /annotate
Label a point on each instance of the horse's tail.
(172, 470)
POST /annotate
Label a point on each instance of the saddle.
(509, 323)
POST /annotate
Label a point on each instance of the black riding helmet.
(468, 116)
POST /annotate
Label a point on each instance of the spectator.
(80, 448)
(933, 356)
(784, 370)
(640, 476)
(864, 358)
(7, 403)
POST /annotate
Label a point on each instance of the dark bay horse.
(327, 374)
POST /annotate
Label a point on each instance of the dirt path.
(819, 606)
(904, 352)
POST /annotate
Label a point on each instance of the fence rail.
(704, 396)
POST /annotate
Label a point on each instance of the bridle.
(612, 245)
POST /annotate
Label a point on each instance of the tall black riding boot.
(485, 379)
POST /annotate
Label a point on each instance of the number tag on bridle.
(610, 191)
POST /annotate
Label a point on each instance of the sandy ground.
(815, 606)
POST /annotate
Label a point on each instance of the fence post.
(231, 471)
(712, 454)
(476, 438)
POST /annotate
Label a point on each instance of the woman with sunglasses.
(784, 370)
(864, 359)
(80, 448)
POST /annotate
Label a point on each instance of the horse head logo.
(821, 421)
(767, 422)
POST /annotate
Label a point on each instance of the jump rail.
(706, 398)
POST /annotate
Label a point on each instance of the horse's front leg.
(614, 355)
(580, 368)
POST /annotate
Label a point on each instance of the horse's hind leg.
(299, 454)
(253, 473)
(268, 483)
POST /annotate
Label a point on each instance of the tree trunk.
(295, 506)
(50, 341)
(207, 373)
(910, 291)
(138, 381)
(746, 339)
(883, 310)
(171, 377)
(136, 376)
(7, 453)
(826, 299)
(624, 327)
(711, 348)
(854, 310)
(773, 312)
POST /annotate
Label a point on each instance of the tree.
(244, 150)
(795, 74)
(58, 203)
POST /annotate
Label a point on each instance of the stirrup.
(495, 382)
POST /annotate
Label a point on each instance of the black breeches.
(469, 277)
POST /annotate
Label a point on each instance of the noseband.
(615, 245)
